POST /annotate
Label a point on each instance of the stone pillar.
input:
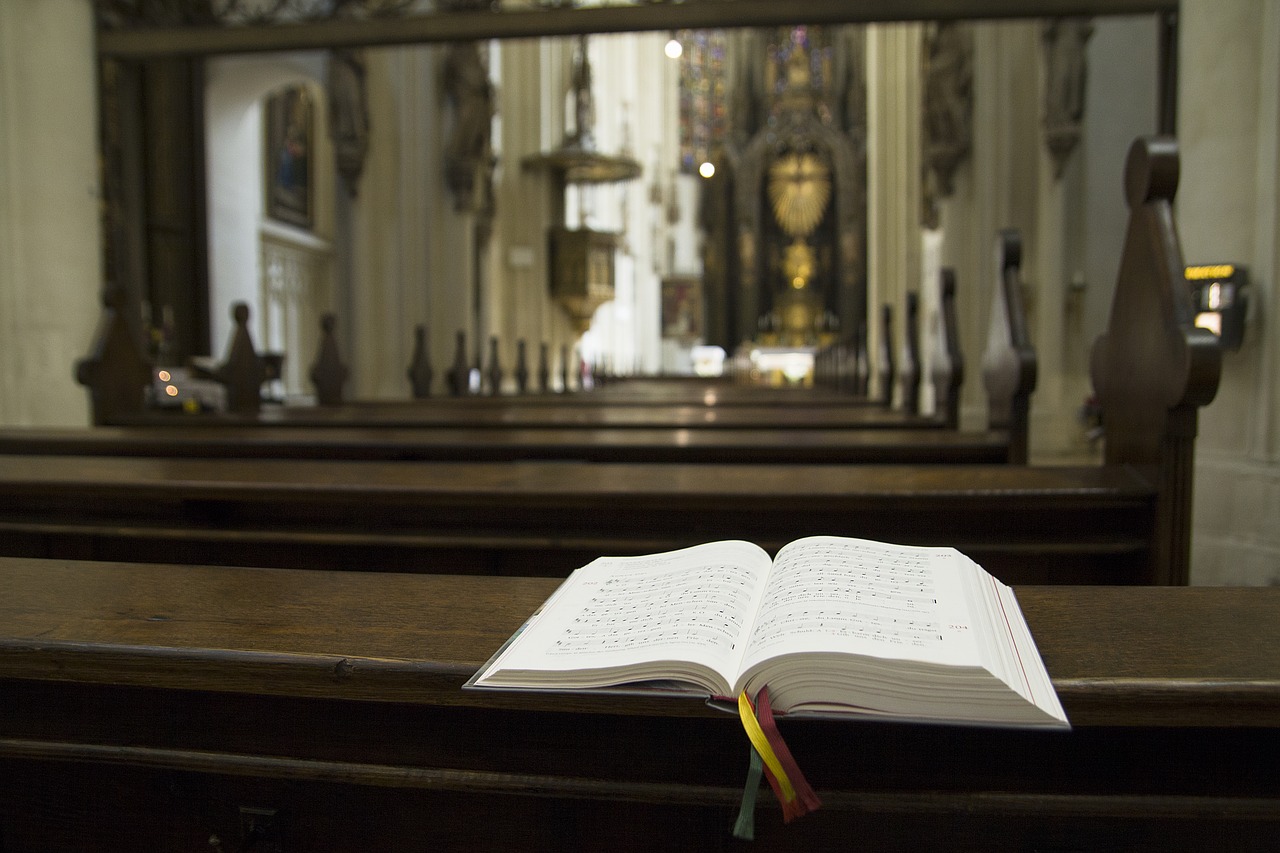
(408, 252)
(995, 189)
(1228, 209)
(893, 173)
(530, 80)
(50, 192)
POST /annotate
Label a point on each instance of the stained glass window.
(702, 96)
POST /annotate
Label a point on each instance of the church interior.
(357, 324)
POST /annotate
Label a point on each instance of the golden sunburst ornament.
(799, 188)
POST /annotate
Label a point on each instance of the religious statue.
(467, 84)
(948, 101)
(1066, 73)
(348, 113)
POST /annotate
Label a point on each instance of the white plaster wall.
(235, 88)
(50, 240)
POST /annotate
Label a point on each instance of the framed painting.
(290, 129)
(682, 308)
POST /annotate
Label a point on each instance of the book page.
(618, 612)
(834, 594)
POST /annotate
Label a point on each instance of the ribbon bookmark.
(744, 828)
(789, 785)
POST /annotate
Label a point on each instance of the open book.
(833, 626)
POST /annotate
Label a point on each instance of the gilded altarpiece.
(785, 214)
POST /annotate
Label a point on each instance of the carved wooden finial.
(861, 366)
(116, 371)
(909, 371)
(495, 368)
(544, 369)
(243, 371)
(522, 367)
(1151, 171)
(1153, 367)
(328, 373)
(1009, 249)
(459, 374)
(886, 368)
(420, 371)
(948, 386)
(1009, 365)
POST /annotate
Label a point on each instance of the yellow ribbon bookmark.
(765, 750)
(785, 777)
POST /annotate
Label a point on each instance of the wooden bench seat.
(643, 390)
(611, 444)
(1089, 524)
(154, 707)
(511, 414)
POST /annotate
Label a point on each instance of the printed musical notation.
(705, 609)
(861, 592)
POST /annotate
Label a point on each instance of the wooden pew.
(1009, 363)
(677, 404)
(647, 419)
(148, 707)
(803, 440)
(1154, 368)
(443, 444)
(1063, 525)
(948, 372)
(1124, 522)
(797, 414)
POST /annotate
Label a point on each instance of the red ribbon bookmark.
(788, 783)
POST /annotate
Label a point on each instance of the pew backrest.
(948, 375)
(1009, 363)
(1154, 368)
(116, 370)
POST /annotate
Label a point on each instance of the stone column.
(1228, 209)
(893, 174)
(50, 192)
(996, 188)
